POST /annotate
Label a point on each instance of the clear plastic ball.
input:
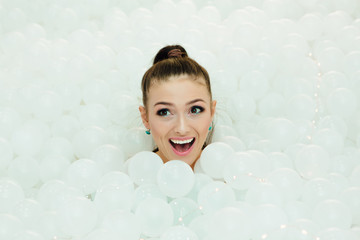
(145, 191)
(100, 234)
(185, 210)
(332, 214)
(342, 102)
(28, 211)
(330, 140)
(29, 235)
(312, 161)
(10, 194)
(214, 196)
(175, 178)
(58, 146)
(241, 106)
(144, 167)
(52, 167)
(271, 105)
(83, 174)
(317, 190)
(10, 226)
(254, 83)
(123, 224)
(109, 158)
(9, 120)
(201, 179)
(25, 170)
(65, 126)
(6, 154)
(155, 216)
(179, 232)
(48, 106)
(77, 216)
(351, 197)
(236, 143)
(94, 115)
(301, 106)
(214, 158)
(264, 193)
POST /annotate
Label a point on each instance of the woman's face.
(179, 113)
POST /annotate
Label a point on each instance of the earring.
(147, 132)
(210, 128)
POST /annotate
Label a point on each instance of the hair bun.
(171, 51)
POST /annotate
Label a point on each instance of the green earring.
(147, 132)
(210, 128)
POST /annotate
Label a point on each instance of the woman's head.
(178, 107)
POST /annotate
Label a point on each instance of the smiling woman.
(178, 108)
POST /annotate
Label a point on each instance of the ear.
(144, 117)
(213, 108)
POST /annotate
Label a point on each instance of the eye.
(196, 109)
(163, 112)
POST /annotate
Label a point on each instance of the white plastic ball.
(9, 121)
(215, 195)
(48, 106)
(97, 92)
(351, 197)
(135, 140)
(109, 158)
(6, 154)
(281, 131)
(271, 105)
(317, 190)
(342, 102)
(179, 232)
(88, 139)
(10, 194)
(28, 211)
(29, 138)
(330, 140)
(123, 224)
(300, 106)
(10, 226)
(52, 167)
(236, 143)
(312, 161)
(214, 158)
(100, 234)
(65, 126)
(329, 59)
(29, 235)
(337, 234)
(58, 146)
(332, 214)
(264, 193)
(351, 62)
(280, 160)
(355, 177)
(94, 115)
(155, 216)
(175, 178)
(144, 167)
(185, 210)
(25, 170)
(254, 83)
(201, 179)
(77, 216)
(288, 181)
(83, 174)
(241, 106)
(145, 191)
(117, 178)
(310, 25)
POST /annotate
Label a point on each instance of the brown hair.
(172, 61)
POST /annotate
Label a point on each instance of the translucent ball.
(310, 26)
(215, 195)
(109, 158)
(288, 181)
(214, 158)
(332, 214)
(355, 177)
(334, 123)
(29, 138)
(144, 166)
(69, 92)
(83, 174)
(241, 106)
(52, 167)
(318, 189)
(351, 197)
(280, 160)
(6, 154)
(145, 191)
(28, 211)
(330, 140)
(336, 233)
(94, 115)
(109, 197)
(9, 121)
(271, 105)
(25, 170)
(117, 178)
(48, 106)
(254, 83)
(351, 62)
(236, 143)
(85, 141)
(29, 235)
(178, 232)
(185, 210)
(281, 131)
(10, 194)
(77, 216)
(10, 226)
(312, 161)
(155, 216)
(262, 193)
(100, 234)
(175, 178)
(201, 180)
(300, 106)
(329, 59)
(123, 224)
(241, 171)
(58, 146)
(65, 126)
(342, 102)
(229, 223)
(135, 140)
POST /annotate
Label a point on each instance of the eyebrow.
(188, 103)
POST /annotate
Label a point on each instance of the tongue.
(182, 147)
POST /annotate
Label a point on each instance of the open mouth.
(182, 147)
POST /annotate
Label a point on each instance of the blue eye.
(163, 112)
(196, 109)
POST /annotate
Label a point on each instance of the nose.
(182, 125)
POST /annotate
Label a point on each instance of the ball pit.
(76, 164)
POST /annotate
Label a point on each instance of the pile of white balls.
(75, 162)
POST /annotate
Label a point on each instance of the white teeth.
(181, 141)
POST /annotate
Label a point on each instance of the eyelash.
(164, 112)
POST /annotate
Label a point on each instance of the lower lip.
(183, 153)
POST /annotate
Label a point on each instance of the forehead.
(178, 89)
